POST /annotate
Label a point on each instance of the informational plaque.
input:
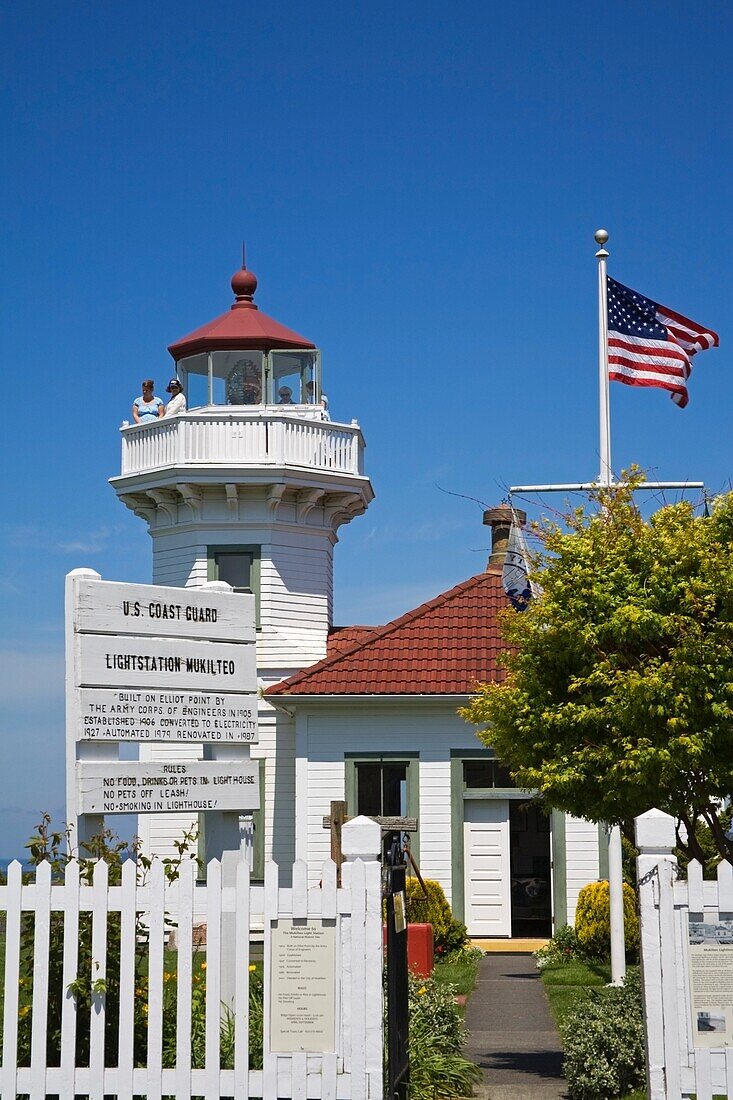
(155, 787)
(137, 715)
(711, 982)
(303, 990)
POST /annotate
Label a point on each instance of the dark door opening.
(530, 870)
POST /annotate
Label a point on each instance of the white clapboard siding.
(677, 1067)
(581, 856)
(296, 585)
(429, 733)
(353, 1071)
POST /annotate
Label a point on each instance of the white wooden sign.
(302, 993)
(109, 607)
(107, 660)
(136, 715)
(150, 663)
(155, 787)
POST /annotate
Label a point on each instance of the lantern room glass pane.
(237, 377)
(194, 375)
(294, 378)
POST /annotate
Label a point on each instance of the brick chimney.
(499, 519)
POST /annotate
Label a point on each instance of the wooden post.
(336, 823)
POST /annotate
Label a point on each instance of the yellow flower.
(252, 967)
(203, 966)
(24, 1011)
(421, 991)
(145, 1010)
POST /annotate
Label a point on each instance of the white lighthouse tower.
(249, 486)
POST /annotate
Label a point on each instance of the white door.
(486, 867)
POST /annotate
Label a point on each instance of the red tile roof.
(341, 638)
(442, 647)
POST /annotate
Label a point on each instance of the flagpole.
(615, 854)
(604, 449)
(605, 479)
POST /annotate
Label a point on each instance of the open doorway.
(530, 870)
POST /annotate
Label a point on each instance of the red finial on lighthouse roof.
(244, 325)
(244, 285)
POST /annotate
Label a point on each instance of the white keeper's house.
(250, 490)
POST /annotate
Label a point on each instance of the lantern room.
(246, 358)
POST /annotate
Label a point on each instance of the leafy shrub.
(593, 921)
(449, 934)
(603, 1040)
(563, 947)
(437, 1037)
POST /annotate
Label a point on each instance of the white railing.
(43, 914)
(683, 1058)
(227, 438)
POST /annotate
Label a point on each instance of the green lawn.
(461, 973)
(567, 983)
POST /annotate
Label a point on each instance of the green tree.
(619, 688)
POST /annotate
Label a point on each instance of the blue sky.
(418, 186)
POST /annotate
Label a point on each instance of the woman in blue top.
(148, 407)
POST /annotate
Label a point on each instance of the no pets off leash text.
(154, 787)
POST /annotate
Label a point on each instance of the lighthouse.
(250, 486)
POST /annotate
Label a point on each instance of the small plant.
(593, 921)
(437, 1037)
(449, 934)
(603, 1040)
(563, 947)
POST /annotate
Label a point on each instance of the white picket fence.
(676, 1067)
(353, 1071)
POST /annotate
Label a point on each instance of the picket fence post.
(361, 842)
(656, 875)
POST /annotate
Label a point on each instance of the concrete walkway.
(512, 1035)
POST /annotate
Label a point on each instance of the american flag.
(650, 345)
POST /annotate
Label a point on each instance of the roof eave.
(448, 697)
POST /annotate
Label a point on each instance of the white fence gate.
(352, 1067)
(676, 1066)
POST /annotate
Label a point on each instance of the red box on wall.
(419, 948)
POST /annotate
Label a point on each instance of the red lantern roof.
(243, 326)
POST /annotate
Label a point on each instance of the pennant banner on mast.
(519, 586)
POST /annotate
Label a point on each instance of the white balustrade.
(228, 438)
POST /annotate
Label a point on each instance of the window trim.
(212, 569)
(412, 760)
